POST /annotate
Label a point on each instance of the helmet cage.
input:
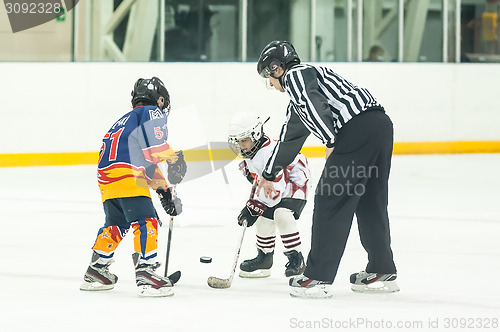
(255, 134)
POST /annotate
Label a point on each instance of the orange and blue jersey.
(130, 152)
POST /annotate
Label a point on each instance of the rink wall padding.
(57, 113)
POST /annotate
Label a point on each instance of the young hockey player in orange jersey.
(127, 169)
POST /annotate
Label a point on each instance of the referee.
(358, 136)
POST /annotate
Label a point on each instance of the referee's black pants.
(354, 181)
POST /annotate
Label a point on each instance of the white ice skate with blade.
(302, 286)
(150, 284)
(374, 283)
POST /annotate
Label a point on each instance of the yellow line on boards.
(91, 158)
(402, 148)
(447, 147)
(48, 159)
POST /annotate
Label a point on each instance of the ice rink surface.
(445, 224)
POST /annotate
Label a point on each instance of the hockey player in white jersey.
(248, 141)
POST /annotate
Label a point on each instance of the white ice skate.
(302, 286)
(150, 284)
(374, 283)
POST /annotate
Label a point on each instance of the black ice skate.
(365, 282)
(259, 267)
(98, 277)
(149, 283)
(295, 265)
(302, 286)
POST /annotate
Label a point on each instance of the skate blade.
(316, 292)
(255, 274)
(378, 287)
(148, 291)
(95, 286)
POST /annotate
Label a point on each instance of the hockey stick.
(174, 277)
(215, 282)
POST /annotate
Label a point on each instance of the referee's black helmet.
(276, 54)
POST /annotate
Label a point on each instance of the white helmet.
(243, 125)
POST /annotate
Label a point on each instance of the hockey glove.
(171, 206)
(252, 210)
(177, 170)
(245, 171)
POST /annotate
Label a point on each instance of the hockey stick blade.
(174, 277)
(219, 283)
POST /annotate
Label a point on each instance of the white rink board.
(67, 107)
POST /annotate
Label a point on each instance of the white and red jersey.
(291, 182)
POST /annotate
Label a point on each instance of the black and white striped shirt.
(321, 103)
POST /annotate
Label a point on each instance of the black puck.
(205, 259)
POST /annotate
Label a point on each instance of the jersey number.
(115, 139)
(159, 132)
